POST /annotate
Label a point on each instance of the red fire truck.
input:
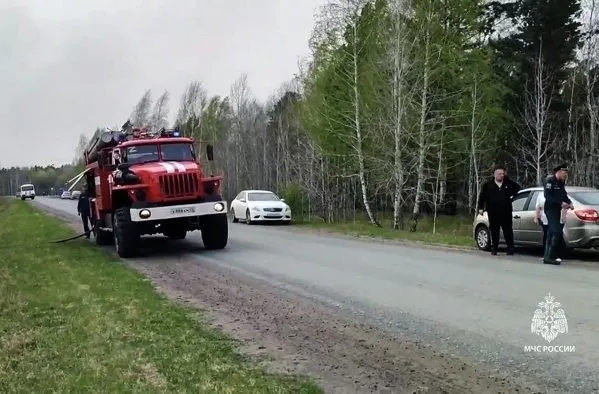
(151, 183)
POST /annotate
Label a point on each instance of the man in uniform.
(83, 211)
(496, 198)
(556, 199)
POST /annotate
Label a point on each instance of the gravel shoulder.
(288, 328)
(295, 335)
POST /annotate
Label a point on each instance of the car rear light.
(587, 215)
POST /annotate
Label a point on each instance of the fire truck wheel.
(215, 231)
(126, 236)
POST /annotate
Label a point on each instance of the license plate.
(273, 215)
(177, 211)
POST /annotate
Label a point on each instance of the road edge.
(380, 240)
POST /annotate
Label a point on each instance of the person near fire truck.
(84, 211)
(556, 200)
(496, 199)
(541, 219)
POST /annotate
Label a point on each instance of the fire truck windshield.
(170, 152)
(142, 154)
(178, 152)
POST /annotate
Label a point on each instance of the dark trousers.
(555, 236)
(561, 248)
(501, 220)
(86, 219)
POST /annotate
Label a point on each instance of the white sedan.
(259, 206)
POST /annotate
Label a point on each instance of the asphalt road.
(470, 304)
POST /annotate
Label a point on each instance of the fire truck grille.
(179, 185)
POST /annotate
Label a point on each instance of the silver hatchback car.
(581, 229)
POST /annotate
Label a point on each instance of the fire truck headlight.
(145, 213)
(218, 207)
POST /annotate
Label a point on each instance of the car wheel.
(248, 219)
(483, 237)
(235, 220)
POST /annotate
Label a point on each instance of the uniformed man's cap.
(561, 167)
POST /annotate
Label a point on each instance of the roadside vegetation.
(76, 320)
(447, 230)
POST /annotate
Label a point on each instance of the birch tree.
(537, 105)
(140, 116)
(240, 140)
(400, 46)
(81, 146)
(193, 101)
(590, 67)
(159, 118)
(426, 24)
(345, 108)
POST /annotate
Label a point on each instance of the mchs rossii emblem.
(549, 319)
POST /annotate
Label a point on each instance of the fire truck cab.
(151, 183)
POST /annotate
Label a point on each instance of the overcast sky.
(69, 66)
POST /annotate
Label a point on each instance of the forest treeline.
(406, 106)
(47, 180)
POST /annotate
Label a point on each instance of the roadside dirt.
(295, 335)
(299, 336)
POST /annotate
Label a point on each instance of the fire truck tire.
(215, 231)
(126, 236)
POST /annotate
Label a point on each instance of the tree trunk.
(358, 130)
(420, 173)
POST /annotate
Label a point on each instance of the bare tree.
(141, 113)
(438, 192)
(159, 118)
(400, 51)
(477, 137)
(81, 146)
(591, 77)
(536, 115)
(424, 109)
(193, 102)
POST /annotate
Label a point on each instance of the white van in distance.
(27, 191)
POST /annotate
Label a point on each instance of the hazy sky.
(67, 66)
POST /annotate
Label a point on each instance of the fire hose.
(76, 236)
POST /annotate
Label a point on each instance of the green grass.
(450, 230)
(75, 320)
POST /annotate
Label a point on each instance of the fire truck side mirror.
(210, 152)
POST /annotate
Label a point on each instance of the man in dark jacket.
(496, 198)
(84, 211)
(556, 199)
